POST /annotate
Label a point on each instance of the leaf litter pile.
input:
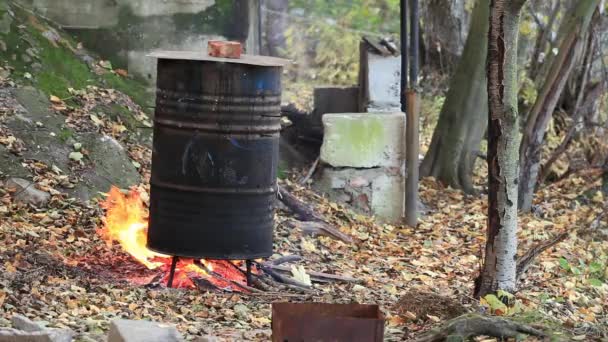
(57, 269)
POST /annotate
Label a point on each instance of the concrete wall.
(125, 31)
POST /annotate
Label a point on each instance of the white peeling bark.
(500, 264)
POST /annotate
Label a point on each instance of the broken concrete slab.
(122, 330)
(24, 191)
(364, 140)
(373, 191)
(25, 330)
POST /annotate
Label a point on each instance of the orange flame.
(126, 223)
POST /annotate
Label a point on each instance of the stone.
(207, 339)
(374, 191)
(107, 162)
(224, 49)
(25, 324)
(45, 335)
(122, 330)
(364, 140)
(383, 83)
(24, 191)
(387, 201)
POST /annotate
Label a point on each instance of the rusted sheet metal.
(214, 160)
(318, 322)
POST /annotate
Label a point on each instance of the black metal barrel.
(215, 156)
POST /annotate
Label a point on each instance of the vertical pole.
(249, 275)
(404, 54)
(172, 271)
(412, 140)
(414, 43)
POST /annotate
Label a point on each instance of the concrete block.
(122, 330)
(384, 75)
(364, 140)
(376, 191)
(388, 201)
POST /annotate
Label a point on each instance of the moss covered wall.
(125, 31)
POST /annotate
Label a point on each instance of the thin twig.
(310, 172)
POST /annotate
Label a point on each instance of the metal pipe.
(404, 54)
(172, 271)
(414, 43)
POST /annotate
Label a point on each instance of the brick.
(364, 140)
(224, 49)
(122, 330)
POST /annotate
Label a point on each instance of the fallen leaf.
(299, 274)
(76, 156)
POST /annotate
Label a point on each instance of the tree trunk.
(446, 23)
(462, 121)
(499, 268)
(570, 47)
(544, 32)
(274, 27)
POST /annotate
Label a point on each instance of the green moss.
(65, 135)
(60, 67)
(115, 111)
(136, 90)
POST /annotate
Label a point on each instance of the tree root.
(471, 325)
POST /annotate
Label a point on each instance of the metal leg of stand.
(172, 272)
(249, 277)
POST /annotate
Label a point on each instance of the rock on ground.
(24, 191)
(142, 331)
(49, 140)
(24, 330)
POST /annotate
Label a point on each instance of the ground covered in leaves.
(55, 268)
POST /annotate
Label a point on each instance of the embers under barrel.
(215, 156)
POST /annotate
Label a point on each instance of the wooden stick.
(310, 172)
(285, 259)
(314, 274)
(312, 222)
(302, 211)
(284, 279)
(524, 262)
(319, 228)
(220, 277)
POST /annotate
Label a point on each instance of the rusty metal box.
(318, 322)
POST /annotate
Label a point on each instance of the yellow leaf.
(71, 238)
(54, 99)
(434, 318)
(9, 267)
(2, 297)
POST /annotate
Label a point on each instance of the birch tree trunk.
(463, 118)
(570, 47)
(499, 268)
